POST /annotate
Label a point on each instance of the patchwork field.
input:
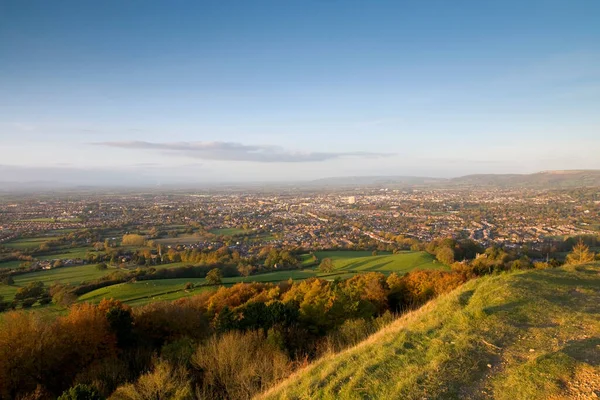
(347, 264)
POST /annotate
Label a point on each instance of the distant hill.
(546, 179)
(524, 335)
(376, 180)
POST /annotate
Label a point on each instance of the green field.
(363, 261)
(524, 335)
(51, 220)
(10, 264)
(229, 231)
(347, 263)
(74, 275)
(143, 292)
(183, 239)
(75, 252)
(28, 243)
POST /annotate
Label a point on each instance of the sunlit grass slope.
(400, 263)
(524, 335)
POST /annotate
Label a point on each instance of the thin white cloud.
(230, 151)
(23, 127)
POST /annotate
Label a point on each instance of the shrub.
(81, 392)
(164, 382)
(8, 280)
(178, 352)
(214, 276)
(101, 267)
(238, 365)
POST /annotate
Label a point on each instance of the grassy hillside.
(524, 335)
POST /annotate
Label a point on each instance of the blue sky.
(291, 90)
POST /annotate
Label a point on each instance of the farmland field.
(28, 243)
(10, 264)
(143, 292)
(386, 263)
(74, 252)
(230, 231)
(51, 220)
(184, 239)
(75, 275)
(347, 264)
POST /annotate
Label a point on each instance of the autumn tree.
(133, 240)
(445, 255)
(245, 270)
(581, 254)
(326, 265)
(214, 276)
(164, 382)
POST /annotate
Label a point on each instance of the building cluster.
(318, 218)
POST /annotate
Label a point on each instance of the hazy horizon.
(147, 93)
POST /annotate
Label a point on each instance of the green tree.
(33, 290)
(3, 304)
(581, 254)
(101, 267)
(8, 280)
(326, 265)
(445, 255)
(214, 276)
(81, 392)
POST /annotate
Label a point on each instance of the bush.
(178, 352)
(102, 266)
(3, 304)
(349, 334)
(28, 303)
(8, 280)
(238, 365)
(81, 392)
(164, 382)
